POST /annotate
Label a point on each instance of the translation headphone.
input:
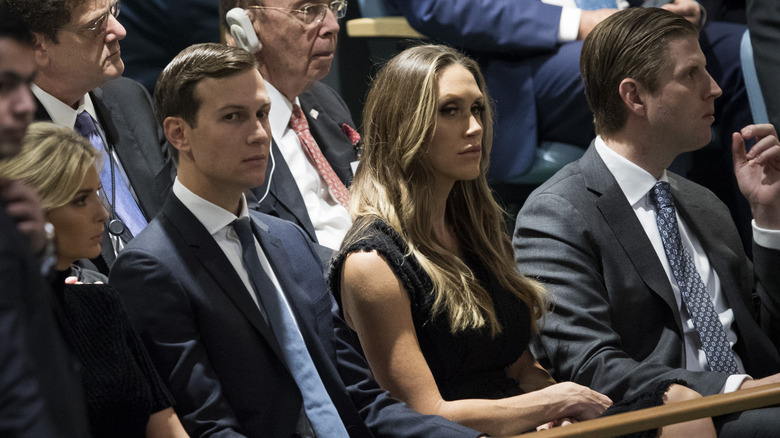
(241, 29)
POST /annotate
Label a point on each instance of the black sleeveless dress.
(467, 365)
(464, 365)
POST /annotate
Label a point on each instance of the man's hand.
(590, 19)
(24, 205)
(758, 172)
(689, 9)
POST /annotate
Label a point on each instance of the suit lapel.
(146, 177)
(213, 259)
(334, 144)
(285, 190)
(628, 232)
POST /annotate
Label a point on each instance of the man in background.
(78, 84)
(314, 139)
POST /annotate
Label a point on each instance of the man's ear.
(177, 130)
(41, 45)
(633, 95)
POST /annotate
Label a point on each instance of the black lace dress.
(466, 365)
(120, 382)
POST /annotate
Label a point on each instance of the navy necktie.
(124, 203)
(317, 404)
(694, 294)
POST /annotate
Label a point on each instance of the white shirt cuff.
(570, 24)
(734, 382)
(766, 237)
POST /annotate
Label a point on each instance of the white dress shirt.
(217, 222)
(330, 219)
(636, 184)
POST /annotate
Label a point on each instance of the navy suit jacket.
(284, 200)
(218, 357)
(40, 389)
(126, 114)
(615, 324)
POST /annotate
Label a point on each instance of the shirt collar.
(634, 181)
(212, 216)
(60, 112)
(281, 112)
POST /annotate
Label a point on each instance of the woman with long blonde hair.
(426, 276)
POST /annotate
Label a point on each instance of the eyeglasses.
(99, 26)
(314, 13)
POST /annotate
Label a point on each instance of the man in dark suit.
(623, 290)
(40, 394)
(79, 64)
(199, 293)
(296, 52)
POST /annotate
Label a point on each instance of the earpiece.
(240, 28)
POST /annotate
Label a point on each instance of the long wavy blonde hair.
(393, 180)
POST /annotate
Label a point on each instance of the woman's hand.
(575, 401)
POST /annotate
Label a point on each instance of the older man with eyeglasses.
(78, 84)
(314, 140)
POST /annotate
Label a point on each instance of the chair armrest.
(381, 27)
(653, 418)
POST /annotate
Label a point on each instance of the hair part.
(393, 184)
(175, 94)
(633, 43)
(54, 160)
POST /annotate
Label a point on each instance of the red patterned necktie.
(301, 127)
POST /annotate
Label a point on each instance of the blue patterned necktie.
(317, 404)
(694, 294)
(124, 203)
(596, 4)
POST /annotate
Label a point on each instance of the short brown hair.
(632, 43)
(46, 17)
(175, 96)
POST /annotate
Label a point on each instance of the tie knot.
(661, 195)
(85, 124)
(298, 121)
(243, 230)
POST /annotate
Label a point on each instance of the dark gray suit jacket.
(126, 114)
(615, 325)
(217, 355)
(284, 200)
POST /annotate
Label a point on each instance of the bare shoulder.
(367, 278)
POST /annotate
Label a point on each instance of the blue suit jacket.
(284, 200)
(214, 350)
